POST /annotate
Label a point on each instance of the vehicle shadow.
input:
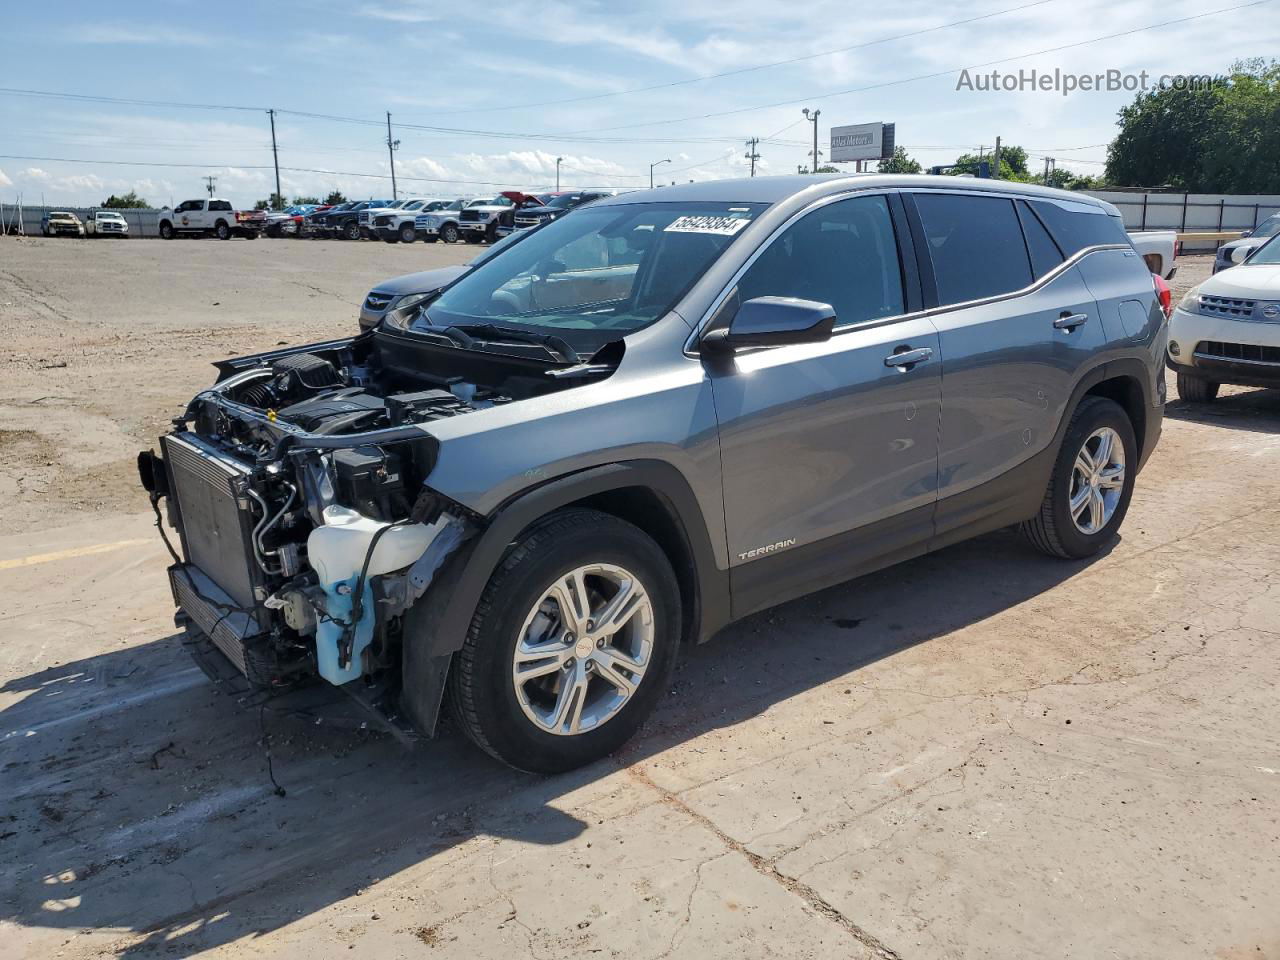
(139, 801)
(1257, 411)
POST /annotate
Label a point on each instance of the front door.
(829, 451)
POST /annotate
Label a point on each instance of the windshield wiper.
(490, 332)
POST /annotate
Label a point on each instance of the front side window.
(598, 275)
(1268, 227)
(975, 244)
(844, 254)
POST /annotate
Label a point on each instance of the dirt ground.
(981, 753)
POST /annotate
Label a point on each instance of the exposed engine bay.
(296, 484)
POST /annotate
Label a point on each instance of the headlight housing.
(1191, 302)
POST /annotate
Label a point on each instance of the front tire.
(408, 234)
(166, 230)
(351, 231)
(1091, 484)
(1195, 389)
(571, 645)
(449, 233)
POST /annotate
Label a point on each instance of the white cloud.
(140, 34)
(5, 181)
(397, 13)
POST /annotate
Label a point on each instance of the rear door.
(829, 450)
(1017, 327)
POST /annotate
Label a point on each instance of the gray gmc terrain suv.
(651, 418)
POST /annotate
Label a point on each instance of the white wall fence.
(142, 223)
(1191, 212)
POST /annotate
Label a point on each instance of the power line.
(741, 70)
(930, 76)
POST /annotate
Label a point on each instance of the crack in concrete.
(768, 868)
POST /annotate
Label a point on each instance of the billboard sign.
(861, 141)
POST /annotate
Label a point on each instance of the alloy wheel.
(1097, 480)
(583, 649)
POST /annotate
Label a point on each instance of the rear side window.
(975, 244)
(844, 254)
(219, 204)
(1045, 254)
(1075, 229)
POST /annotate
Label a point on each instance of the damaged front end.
(297, 485)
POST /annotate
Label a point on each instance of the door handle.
(906, 359)
(1069, 321)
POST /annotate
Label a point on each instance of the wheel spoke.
(1112, 478)
(1102, 457)
(1080, 501)
(538, 661)
(567, 715)
(1097, 511)
(613, 616)
(570, 595)
(608, 663)
(1084, 461)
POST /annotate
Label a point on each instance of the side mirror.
(1246, 233)
(774, 322)
(1240, 254)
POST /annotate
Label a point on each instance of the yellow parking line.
(31, 561)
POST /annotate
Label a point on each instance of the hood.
(1247, 242)
(1261, 282)
(522, 199)
(422, 282)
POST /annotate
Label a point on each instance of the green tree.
(1013, 164)
(301, 201)
(273, 202)
(900, 162)
(128, 201)
(1242, 153)
(1162, 138)
(335, 197)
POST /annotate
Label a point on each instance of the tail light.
(1164, 293)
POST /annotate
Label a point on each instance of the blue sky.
(493, 79)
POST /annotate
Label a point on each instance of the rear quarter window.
(1075, 229)
(975, 244)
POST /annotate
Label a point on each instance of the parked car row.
(98, 223)
(427, 218)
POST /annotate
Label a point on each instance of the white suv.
(1227, 330)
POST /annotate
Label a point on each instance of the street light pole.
(558, 159)
(812, 116)
(651, 166)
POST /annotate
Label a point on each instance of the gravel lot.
(981, 753)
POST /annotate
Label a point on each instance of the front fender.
(436, 626)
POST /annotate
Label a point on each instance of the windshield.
(1269, 227)
(1268, 253)
(110, 216)
(600, 274)
(565, 200)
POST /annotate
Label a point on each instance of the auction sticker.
(723, 226)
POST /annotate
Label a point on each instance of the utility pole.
(995, 161)
(392, 147)
(651, 166)
(558, 161)
(210, 183)
(275, 157)
(751, 153)
(813, 117)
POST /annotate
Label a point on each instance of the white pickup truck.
(212, 217)
(1158, 248)
(106, 223)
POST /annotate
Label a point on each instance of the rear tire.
(518, 610)
(1195, 389)
(221, 230)
(1058, 530)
